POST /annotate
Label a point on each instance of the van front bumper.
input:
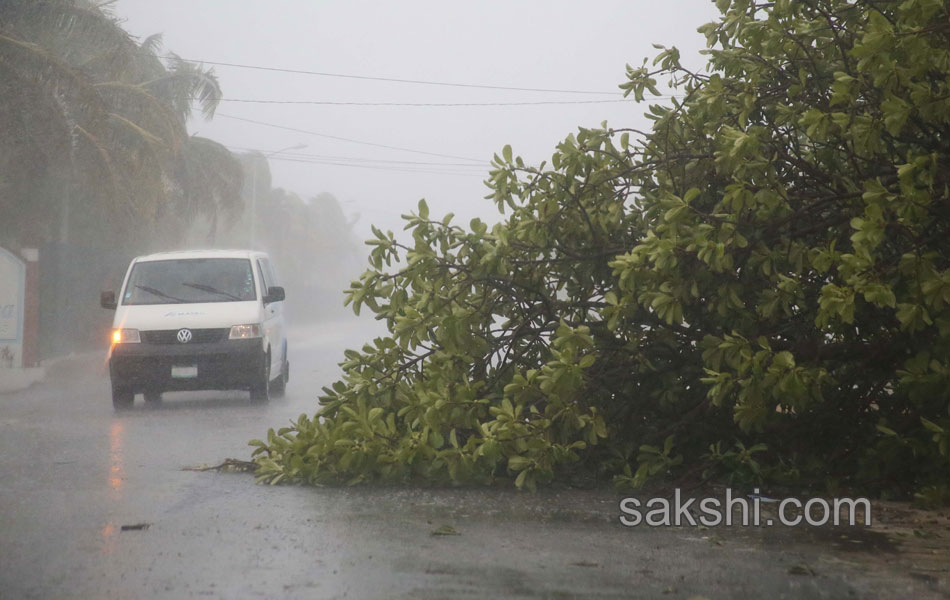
(222, 365)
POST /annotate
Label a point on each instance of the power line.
(404, 166)
(426, 104)
(377, 168)
(335, 137)
(393, 79)
(357, 159)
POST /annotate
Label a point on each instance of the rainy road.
(73, 473)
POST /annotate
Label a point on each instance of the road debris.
(445, 530)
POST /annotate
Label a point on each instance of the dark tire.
(279, 385)
(122, 397)
(153, 398)
(259, 389)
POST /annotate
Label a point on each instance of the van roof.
(184, 254)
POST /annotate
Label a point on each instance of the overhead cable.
(336, 137)
(425, 104)
(378, 168)
(394, 79)
(357, 159)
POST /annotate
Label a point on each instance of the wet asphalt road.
(73, 473)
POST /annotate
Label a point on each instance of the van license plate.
(188, 372)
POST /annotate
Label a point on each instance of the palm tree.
(46, 102)
(93, 122)
(210, 180)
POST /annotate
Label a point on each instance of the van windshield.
(190, 280)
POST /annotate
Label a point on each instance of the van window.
(190, 280)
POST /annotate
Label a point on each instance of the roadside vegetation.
(756, 290)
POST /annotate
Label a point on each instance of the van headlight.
(245, 332)
(126, 336)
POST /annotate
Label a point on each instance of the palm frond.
(106, 164)
(152, 44)
(138, 104)
(145, 135)
(39, 65)
(187, 82)
(72, 30)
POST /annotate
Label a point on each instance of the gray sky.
(559, 44)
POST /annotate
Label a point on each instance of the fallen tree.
(757, 288)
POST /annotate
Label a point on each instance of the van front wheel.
(279, 385)
(259, 391)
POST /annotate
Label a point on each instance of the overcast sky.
(549, 44)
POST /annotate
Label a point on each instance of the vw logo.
(184, 336)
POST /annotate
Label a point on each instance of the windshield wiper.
(212, 290)
(160, 293)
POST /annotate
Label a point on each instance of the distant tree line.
(311, 241)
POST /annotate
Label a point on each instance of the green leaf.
(518, 463)
(931, 426)
(521, 479)
(886, 430)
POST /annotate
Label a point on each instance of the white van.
(197, 320)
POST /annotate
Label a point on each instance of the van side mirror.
(275, 293)
(107, 300)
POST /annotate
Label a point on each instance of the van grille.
(198, 336)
